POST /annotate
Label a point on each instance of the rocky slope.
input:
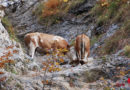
(100, 73)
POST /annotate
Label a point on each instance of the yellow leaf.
(61, 60)
(50, 70)
(122, 73)
(102, 78)
(65, 0)
(47, 54)
(57, 63)
(104, 4)
(54, 69)
(58, 69)
(65, 50)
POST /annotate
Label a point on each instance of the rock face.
(5, 42)
(83, 7)
(22, 18)
(10, 50)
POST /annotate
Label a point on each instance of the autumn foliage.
(52, 4)
(51, 7)
(52, 64)
(54, 60)
(5, 58)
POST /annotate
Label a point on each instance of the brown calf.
(44, 41)
(82, 47)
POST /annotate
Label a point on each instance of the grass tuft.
(127, 51)
(9, 28)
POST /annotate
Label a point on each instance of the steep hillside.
(113, 25)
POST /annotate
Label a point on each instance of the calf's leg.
(32, 48)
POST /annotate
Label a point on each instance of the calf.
(82, 48)
(44, 41)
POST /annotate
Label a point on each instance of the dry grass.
(119, 40)
(127, 51)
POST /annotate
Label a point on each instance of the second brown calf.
(82, 48)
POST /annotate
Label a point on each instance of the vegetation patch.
(117, 41)
(109, 11)
(53, 11)
(93, 75)
(18, 85)
(95, 39)
(9, 28)
(127, 51)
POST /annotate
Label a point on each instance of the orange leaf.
(1, 64)
(122, 73)
(2, 79)
(44, 69)
(9, 47)
(15, 51)
(45, 82)
(1, 72)
(61, 60)
(57, 63)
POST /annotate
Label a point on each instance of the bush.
(51, 7)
